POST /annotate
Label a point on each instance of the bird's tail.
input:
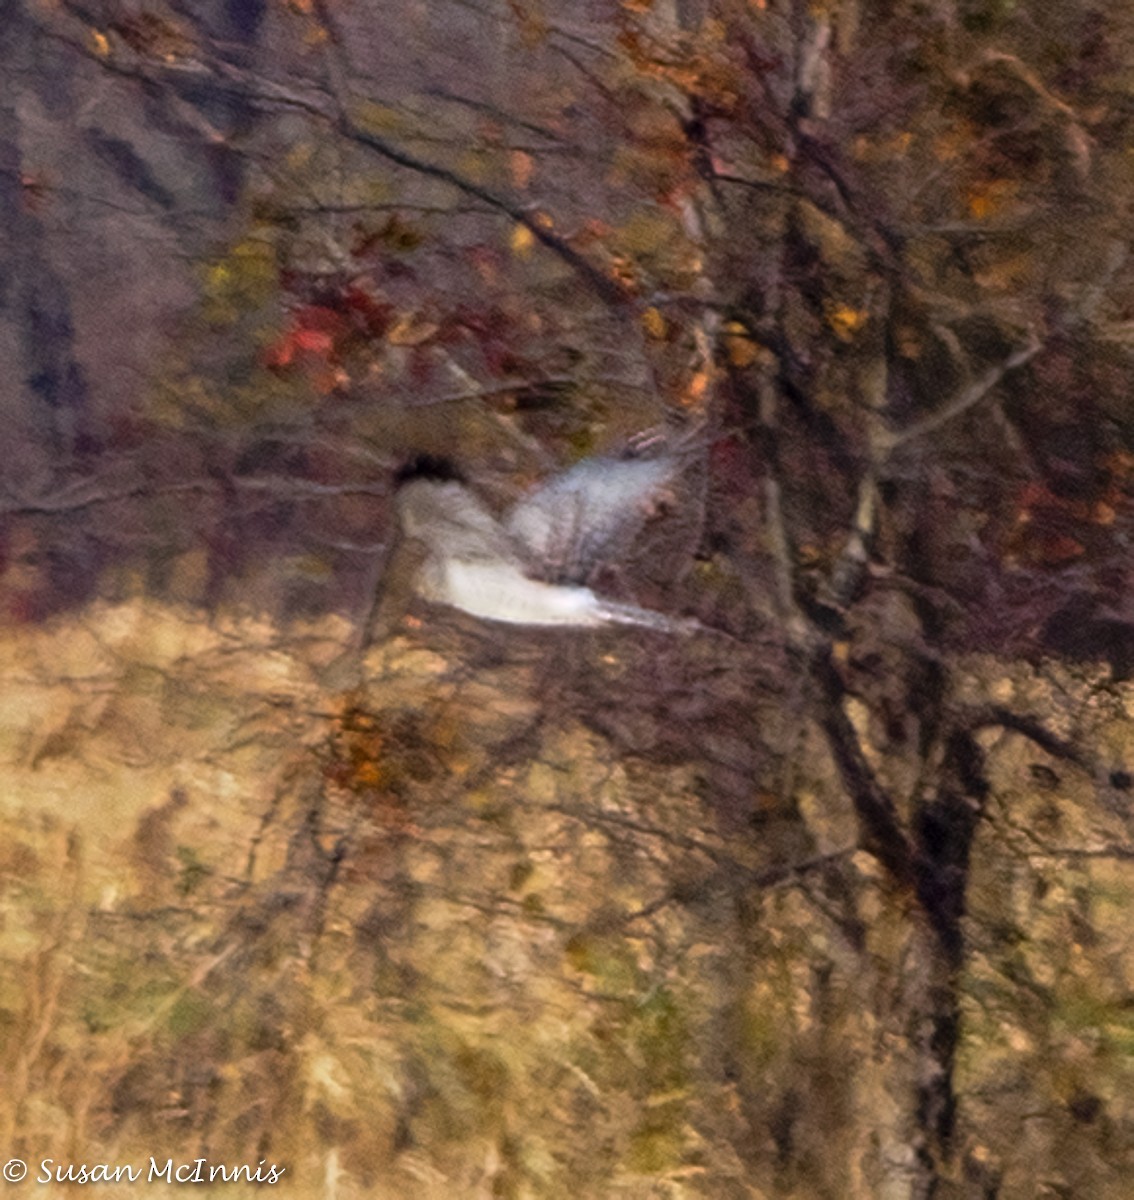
(612, 613)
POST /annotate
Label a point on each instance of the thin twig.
(968, 398)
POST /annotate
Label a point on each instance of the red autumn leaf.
(279, 354)
(314, 341)
(319, 317)
(368, 313)
(1057, 549)
(34, 191)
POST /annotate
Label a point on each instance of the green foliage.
(242, 282)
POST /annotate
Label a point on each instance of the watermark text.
(194, 1170)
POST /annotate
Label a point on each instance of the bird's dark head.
(431, 467)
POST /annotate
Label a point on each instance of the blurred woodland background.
(832, 903)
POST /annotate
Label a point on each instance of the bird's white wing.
(500, 592)
(451, 520)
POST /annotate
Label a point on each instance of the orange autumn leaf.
(989, 198)
(284, 351)
(654, 323)
(522, 165)
(697, 388)
(593, 231)
(741, 350)
(411, 330)
(846, 321)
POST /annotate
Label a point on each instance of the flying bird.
(532, 565)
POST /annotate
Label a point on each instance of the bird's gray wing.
(595, 513)
(664, 547)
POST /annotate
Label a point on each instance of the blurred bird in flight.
(532, 565)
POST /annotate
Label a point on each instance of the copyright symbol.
(15, 1169)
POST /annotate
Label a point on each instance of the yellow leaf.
(101, 45)
(411, 330)
(846, 322)
(217, 276)
(654, 323)
(522, 240)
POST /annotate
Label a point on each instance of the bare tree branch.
(968, 398)
(334, 110)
